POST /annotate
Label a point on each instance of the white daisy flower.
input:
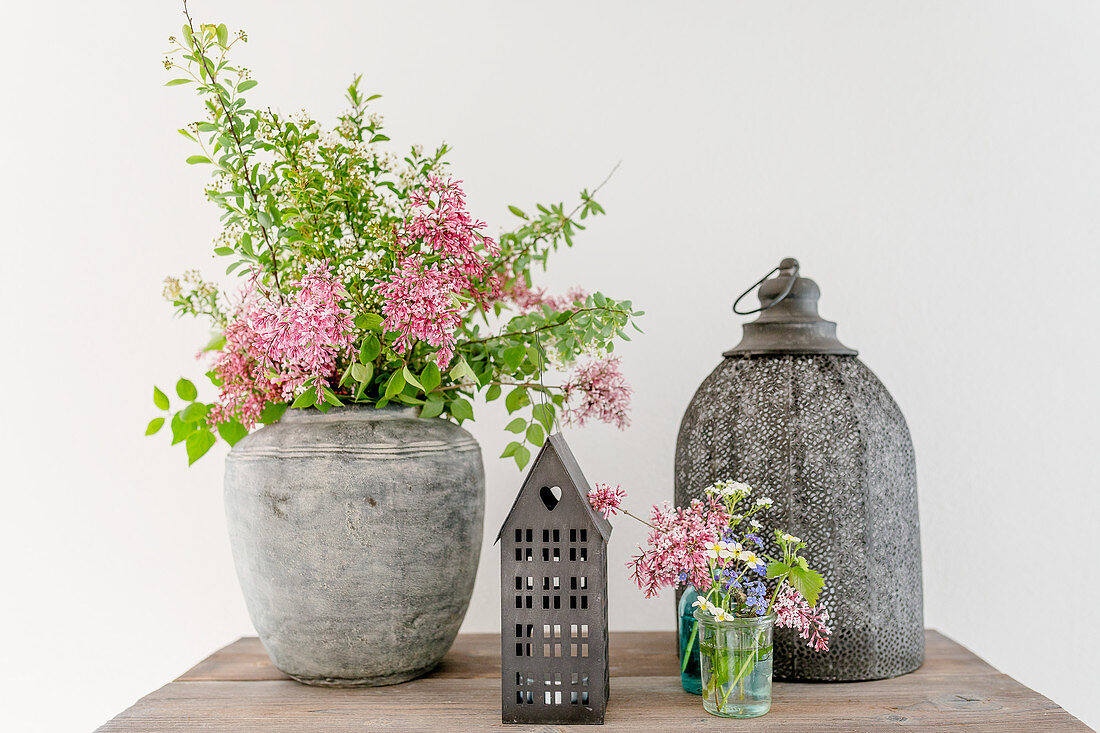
(787, 537)
(764, 501)
(720, 614)
(750, 558)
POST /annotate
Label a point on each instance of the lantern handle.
(784, 294)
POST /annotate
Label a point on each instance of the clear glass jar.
(689, 643)
(736, 665)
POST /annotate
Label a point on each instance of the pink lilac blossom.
(528, 299)
(441, 254)
(245, 387)
(606, 500)
(441, 224)
(792, 611)
(598, 391)
(419, 304)
(273, 350)
(676, 551)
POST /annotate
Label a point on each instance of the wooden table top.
(238, 689)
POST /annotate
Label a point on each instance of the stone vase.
(356, 536)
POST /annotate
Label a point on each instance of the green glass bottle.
(689, 643)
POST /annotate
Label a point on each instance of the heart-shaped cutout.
(550, 496)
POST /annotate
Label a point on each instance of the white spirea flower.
(735, 488)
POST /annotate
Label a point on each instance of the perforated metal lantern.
(793, 412)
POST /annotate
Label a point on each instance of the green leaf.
(223, 251)
(430, 377)
(517, 211)
(517, 426)
(330, 396)
(510, 449)
(544, 413)
(194, 412)
(193, 159)
(433, 406)
(395, 384)
(181, 429)
(216, 342)
(368, 321)
(517, 399)
(461, 371)
(362, 372)
(370, 349)
(187, 35)
(462, 409)
(306, 399)
(272, 412)
(535, 436)
(522, 456)
(177, 82)
(777, 569)
(807, 582)
(198, 443)
(160, 399)
(244, 86)
(154, 425)
(513, 357)
(492, 393)
(223, 34)
(410, 378)
(232, 431)
(186, 390)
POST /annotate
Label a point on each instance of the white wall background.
(934, 165)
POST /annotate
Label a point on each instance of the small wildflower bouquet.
(716, 546)
(366, 279)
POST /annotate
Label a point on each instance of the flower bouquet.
(716, 546)
(366, 279)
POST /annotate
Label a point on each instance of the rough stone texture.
(356, 537)
(823, 438)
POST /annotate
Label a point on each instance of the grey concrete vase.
(356, 536)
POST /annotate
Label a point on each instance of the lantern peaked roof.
(555, 449)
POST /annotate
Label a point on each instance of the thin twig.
(203, 60)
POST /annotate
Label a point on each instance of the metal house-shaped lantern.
(553, 596)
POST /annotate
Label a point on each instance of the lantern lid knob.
(788, 322)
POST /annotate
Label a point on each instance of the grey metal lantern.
(793, 412)
(553, 597)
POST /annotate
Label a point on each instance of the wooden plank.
(237, 689)
(637, 653)
(633, 653)
(986, 702)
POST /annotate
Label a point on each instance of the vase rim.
(709, 620)
(353, 411)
